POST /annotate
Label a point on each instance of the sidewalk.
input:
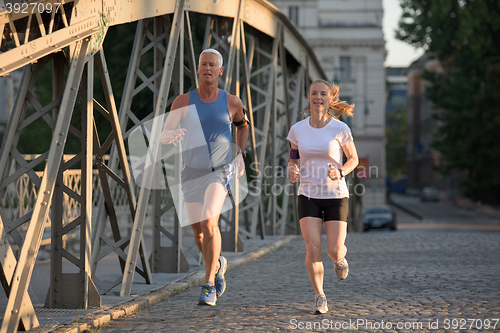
(143, 295)
(404, 281)
(443, 214)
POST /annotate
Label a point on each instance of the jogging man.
(205, 116)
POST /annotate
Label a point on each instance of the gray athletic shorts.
(196, 181)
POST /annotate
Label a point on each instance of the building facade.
(348, 40)
(423, 160)
(396, 86)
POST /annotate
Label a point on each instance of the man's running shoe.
(208, 295)
(341, 268)
(220, 281)
(319, 305)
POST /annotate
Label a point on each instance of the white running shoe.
(319, 305)
(341, 268)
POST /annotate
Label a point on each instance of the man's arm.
(236, 111)
(172, 134)
(235, 108)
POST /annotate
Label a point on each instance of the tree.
(464, 36)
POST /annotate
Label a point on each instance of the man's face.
(208, 68)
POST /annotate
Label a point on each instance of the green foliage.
(396, 132)
(464, 36)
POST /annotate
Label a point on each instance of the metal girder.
(153, 150)
(27, 318)
(8, 262)
(51, 33)
(32, 239)
(289, 103)
(171, 259)
(76, 20)
(263, 63)
(74, 290)
(106, 174)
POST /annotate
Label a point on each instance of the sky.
(399, 54)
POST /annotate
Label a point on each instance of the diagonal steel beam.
(31, 245)
(142, 202)
(8, 263)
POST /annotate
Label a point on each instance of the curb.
(149, 298)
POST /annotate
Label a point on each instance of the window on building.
(293, 14)
(345, 68)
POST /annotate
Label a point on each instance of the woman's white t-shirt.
(317, 148)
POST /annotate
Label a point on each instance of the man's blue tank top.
(207, 141)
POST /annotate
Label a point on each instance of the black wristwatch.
(342, 173)
(243, 154)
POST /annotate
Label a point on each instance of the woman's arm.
(351, 163)
(352, 157)
(293, 166)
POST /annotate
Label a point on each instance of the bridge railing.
(20, 197)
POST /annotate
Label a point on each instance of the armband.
(242, 121)
(294, 154)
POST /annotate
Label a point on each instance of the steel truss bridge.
(268, 65)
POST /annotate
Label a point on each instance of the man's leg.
(194, 214)
(211, 246)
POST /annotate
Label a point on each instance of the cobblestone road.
(398, 281)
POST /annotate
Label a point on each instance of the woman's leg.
(336, 232)
(311, 231)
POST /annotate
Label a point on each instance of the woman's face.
(319, 97)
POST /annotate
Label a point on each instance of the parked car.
(379, 217)
(429, 194)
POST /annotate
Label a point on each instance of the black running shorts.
(326, 209)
